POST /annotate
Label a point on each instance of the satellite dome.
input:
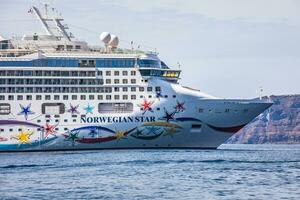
(114, 41)
(105, 37)
(1, 38)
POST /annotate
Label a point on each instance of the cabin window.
(133, 97)
(133, 73)
(108, 97)
(116, 73)
(19, 97)
(133, 81)
(53, 108)
(83, 97)
(5, 109)
(157, 89)
(108, 73)
(91, 97)
(38, 97)
(124, 81)
(69, 47)
(2, 97)
(141, 89)
(115, 107)
(133, 89)
(149, 89)
(124, 73)
(100, 97)
(10, 97)
(108, 81)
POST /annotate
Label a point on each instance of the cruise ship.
(58, 93)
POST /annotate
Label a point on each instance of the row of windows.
(68, 62)
(73, 89)
(56, 73)
(75, 97)
(226, 110)
(51, 81)
(117, 73)
(60, 108)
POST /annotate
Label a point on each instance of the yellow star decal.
(23, 137)
(170, 131)
(120, 134)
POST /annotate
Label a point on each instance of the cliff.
(279, 124)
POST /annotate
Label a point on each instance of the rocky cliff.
(279, 124)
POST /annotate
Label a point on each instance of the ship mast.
(45, 21)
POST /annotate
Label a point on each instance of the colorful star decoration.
(179, 107)
(89, 109)
(93, 132)
(169, 116)
(73, 109)
(49, 130)
(146, 106)
(23, 137)
(120, 135)
(72, 136)
(25, 110)
(152, 129)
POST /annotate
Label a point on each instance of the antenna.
(260, 92)
(179, 65)
(43, 22)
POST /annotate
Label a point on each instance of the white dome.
(1, 38)
(114, 41)
(105, 37)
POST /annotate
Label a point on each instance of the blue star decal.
(89, 109)
(152, 129)
(169, 116)
(25, 110)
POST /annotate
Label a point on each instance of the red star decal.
(49, 130)
(179, 106)
(146, 106)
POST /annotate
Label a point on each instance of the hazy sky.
(225, 48)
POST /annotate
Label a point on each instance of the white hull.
(189, 127)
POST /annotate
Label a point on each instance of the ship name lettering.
(117, 119)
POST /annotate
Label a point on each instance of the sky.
(225, 48)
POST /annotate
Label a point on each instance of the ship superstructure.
(60, 94)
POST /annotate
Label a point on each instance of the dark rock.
(279, 124)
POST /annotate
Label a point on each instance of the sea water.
(231, 172)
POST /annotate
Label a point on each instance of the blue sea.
(231, 172)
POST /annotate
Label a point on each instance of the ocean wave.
(22, 166)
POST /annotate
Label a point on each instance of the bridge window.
(148, 63)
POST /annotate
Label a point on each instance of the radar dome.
(114, 41)
(105, 37)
